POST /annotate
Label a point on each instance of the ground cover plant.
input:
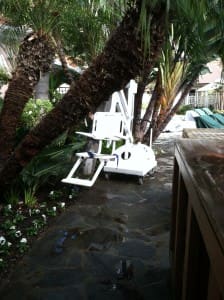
(25, 218)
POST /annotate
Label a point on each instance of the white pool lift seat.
(108, 127)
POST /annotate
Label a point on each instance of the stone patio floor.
(113, 243)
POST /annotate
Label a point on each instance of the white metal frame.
(82, 156)
(112, 126)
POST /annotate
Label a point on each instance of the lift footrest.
(78, 181)
(83, 156)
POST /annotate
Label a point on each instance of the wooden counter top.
(204, 161)
(203, 133)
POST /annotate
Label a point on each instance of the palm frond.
(10, 38)
(53, 162)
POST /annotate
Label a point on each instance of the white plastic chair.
(106, 126)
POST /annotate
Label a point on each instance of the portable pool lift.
(113, 126)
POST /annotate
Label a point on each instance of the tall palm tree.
(120, 61)
(47, 21)
(35, 55)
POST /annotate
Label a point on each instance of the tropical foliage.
(165, 43)
(189, 45)
(88, 26)
(10, 39)
(52, 163)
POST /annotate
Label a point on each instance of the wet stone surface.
(112, 244)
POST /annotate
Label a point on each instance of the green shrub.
(4, 77)
(55, 97)
(34, 112)
(183, 108)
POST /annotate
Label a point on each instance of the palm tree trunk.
(121, 60)
(173, 110)
(138, 104)
(148, 116)
(18, 93)
(155, 109)
(35, 55)
(64, 64)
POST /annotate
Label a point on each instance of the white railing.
(198, 100)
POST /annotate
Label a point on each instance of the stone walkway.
(112, 244)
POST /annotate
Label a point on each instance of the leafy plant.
(55, 97)
(52, 163)
(38, 223)
(11, 233)
(23, 246)
(31, 231)
(30, 199)
(34, 112)
(20, 222)
(4, 77)
(4, 246)
(36, 226)
(52, 211)
(54, 195)
(7, 224)
(12, 196)
(7, 210)
(183, 108)
(18, 217)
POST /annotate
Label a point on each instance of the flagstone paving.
(112, 244)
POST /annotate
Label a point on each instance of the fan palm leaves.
(10, 39)
(89, 27)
